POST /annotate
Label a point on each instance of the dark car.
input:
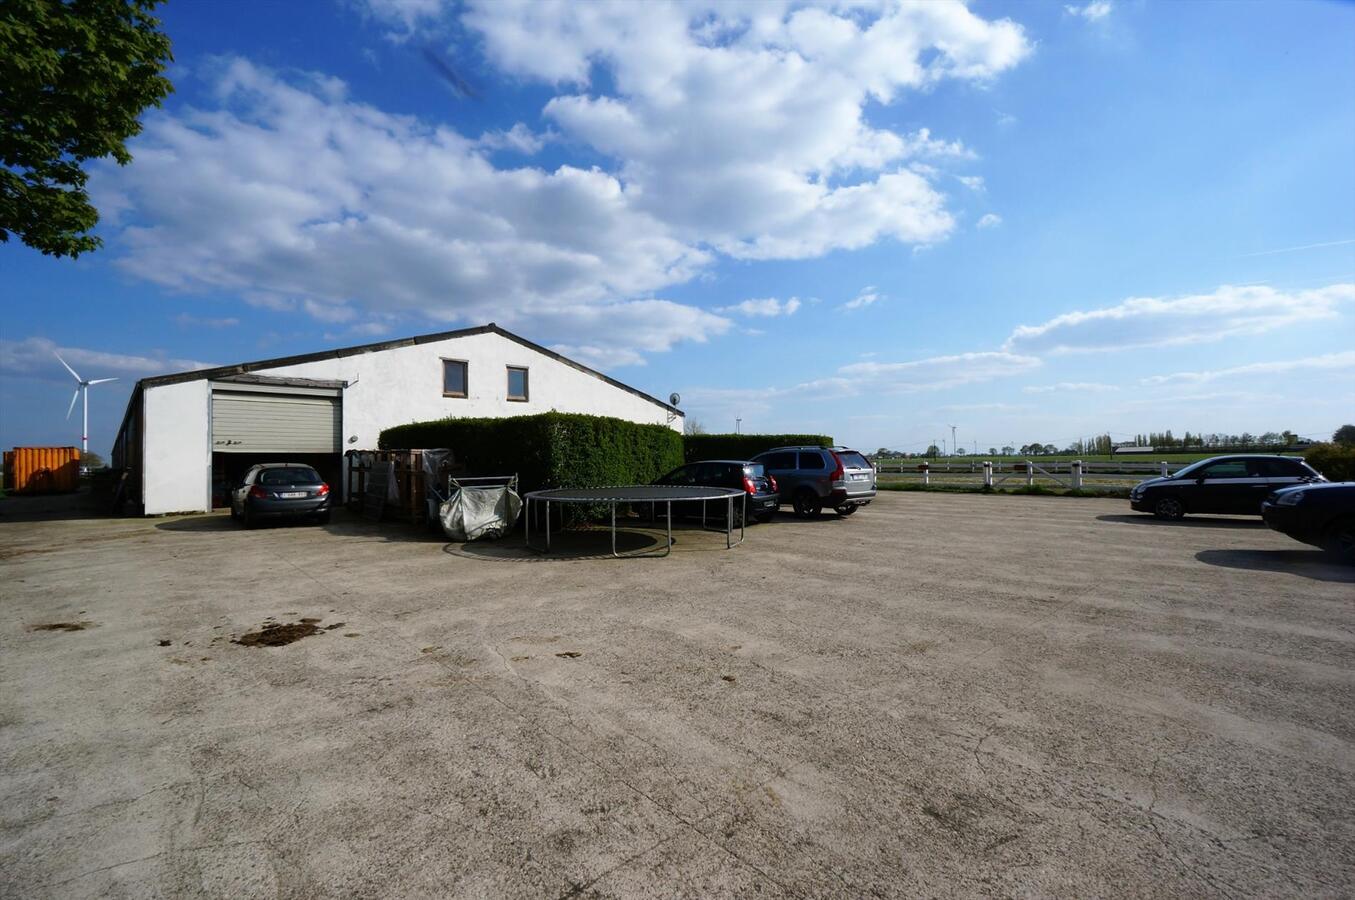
(1230, 485)
(763, 501)
(811, 478)
(1319, 514)
(280, 491)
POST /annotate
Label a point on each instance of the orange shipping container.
(45, 470)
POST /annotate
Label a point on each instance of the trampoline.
(653, 494)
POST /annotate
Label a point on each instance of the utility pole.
(952, 439)
(738, 423)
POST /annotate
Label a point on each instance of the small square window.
(453, 378)
(517, 383)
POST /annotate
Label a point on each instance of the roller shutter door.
(275, 423)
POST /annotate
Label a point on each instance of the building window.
(517, 383)
(453, 378)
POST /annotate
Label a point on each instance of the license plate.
(291, 495)
(860, 477)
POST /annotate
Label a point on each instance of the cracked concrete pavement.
(945, 695)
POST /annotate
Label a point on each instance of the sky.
(1036, 222)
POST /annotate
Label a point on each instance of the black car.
(1319, 514)
(763, 499)
(1231, 485)
(280, 491)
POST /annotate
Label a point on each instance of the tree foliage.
(75, 75)
(1344, 435)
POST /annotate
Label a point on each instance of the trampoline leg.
(547, 526)
(614, 531)
(669, 519)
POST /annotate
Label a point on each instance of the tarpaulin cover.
(473, 513)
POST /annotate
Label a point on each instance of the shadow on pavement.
(47, 507)
(1187, 522)
(592, 543)
(1312, 564)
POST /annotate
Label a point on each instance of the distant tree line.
(1104, 445)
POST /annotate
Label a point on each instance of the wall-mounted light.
(353, 439)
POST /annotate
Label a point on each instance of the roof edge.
(220, 372)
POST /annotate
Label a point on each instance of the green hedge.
(1336, 461)
(745, 446)
(549, 450)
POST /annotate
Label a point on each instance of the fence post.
(1077, 474)
(1164, 468)
(926, 473)
(1030, 474)
(987, 474)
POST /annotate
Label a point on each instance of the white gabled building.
(186, 437)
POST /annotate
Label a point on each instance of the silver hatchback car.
(811, 478)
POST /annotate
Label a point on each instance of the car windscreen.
(1191, 470)
(289, 475)
(754, 470)
(853, 460)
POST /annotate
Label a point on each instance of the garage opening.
(256, 419)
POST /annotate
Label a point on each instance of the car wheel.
(246, 519)
(847, 510)
(1169, 508)
(1340, 540)
(234, 515)
(807, 504)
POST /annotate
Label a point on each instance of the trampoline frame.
(691, 494)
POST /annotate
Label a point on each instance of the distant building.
(185, 438)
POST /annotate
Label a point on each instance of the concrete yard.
(943, 695)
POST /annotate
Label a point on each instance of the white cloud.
(766, 307)
(973, 182)
(1071, 387)
(289, 193)
(865, 297)
(297, 198)
(1092, 12)
(406, 16)
(36, 357)
(519, 138)
(1328, 362)
(707, 104)
(185, 320)
(865, 379)
(939, 371)
(990, 220)
(1160, 322)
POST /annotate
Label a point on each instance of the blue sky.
(1033, 221)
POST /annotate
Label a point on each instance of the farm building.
(186, 437)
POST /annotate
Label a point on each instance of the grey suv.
(811, 478)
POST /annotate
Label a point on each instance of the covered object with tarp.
(484, 507)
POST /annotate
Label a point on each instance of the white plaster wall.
(385, 388)
(177, 460)
(402, 385)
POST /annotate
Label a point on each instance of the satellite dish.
(674, 398)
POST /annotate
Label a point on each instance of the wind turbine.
(81, 391)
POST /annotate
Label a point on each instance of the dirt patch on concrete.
(279, 634)
(61, 626)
